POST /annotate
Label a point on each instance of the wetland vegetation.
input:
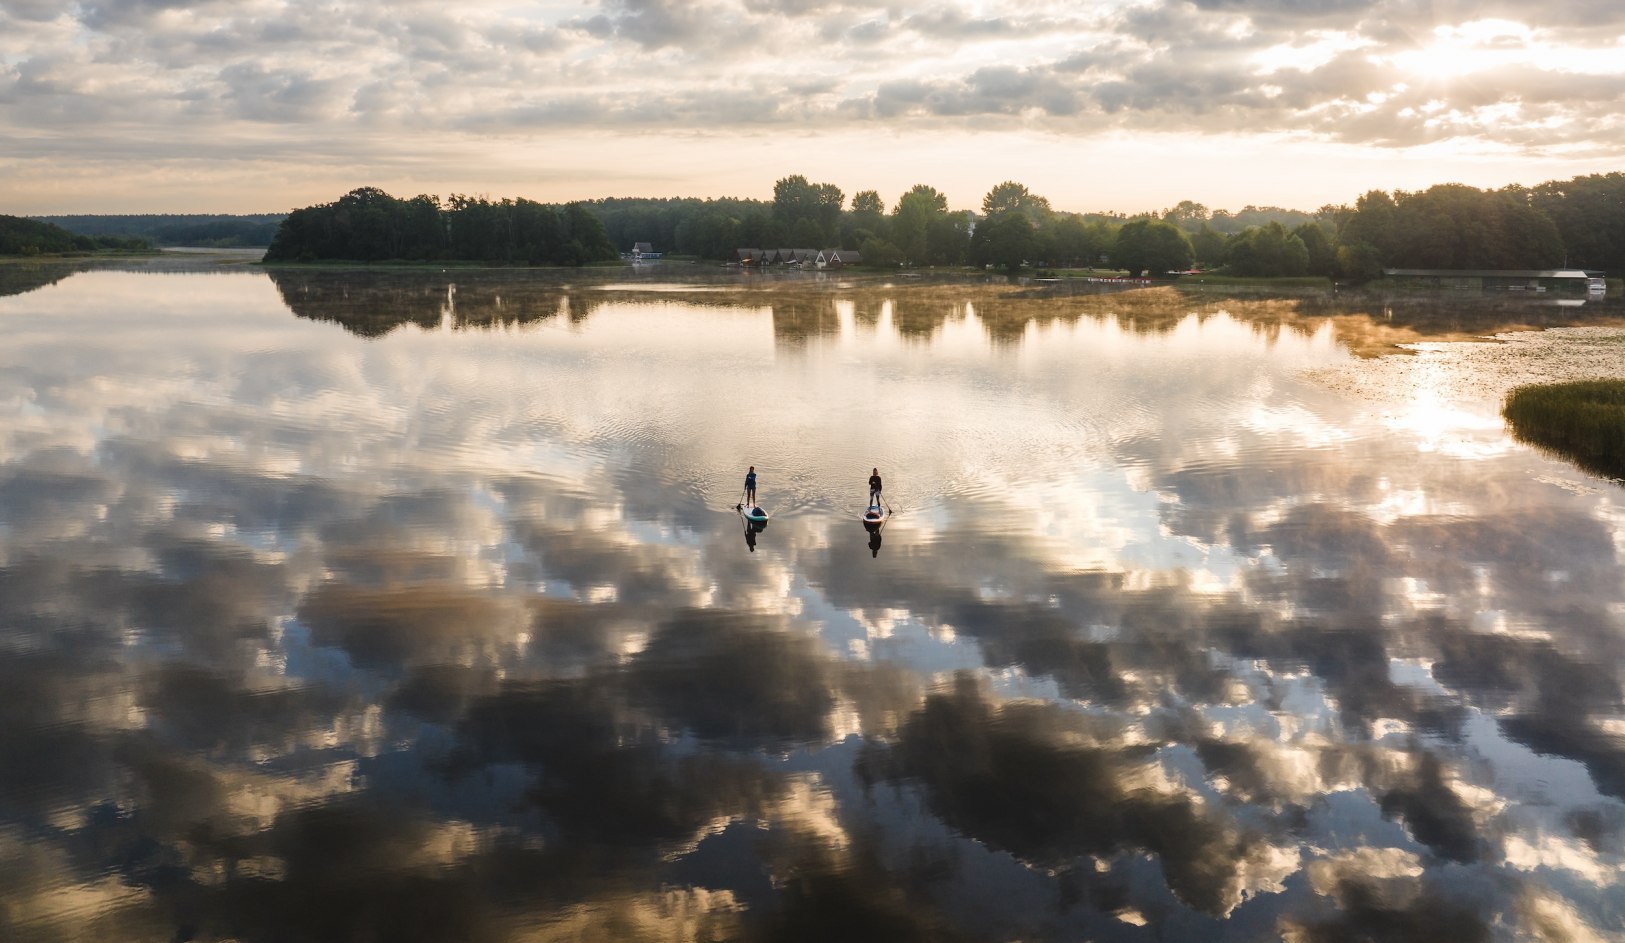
(1581, 420)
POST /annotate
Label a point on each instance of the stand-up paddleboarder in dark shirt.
(874, 487)
(750, 487)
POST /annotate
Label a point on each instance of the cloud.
(655, 64)
(1020, 778)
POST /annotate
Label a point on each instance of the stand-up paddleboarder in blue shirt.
(750, 487)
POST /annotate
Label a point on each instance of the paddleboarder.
(750, 487)
(874, 487)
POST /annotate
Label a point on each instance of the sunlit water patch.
(416, 605)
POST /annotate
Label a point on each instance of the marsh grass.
(1582, 421)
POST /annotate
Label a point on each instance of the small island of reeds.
(1582, 420)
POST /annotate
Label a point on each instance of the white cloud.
(187, 76)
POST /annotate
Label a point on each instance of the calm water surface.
(410, 606)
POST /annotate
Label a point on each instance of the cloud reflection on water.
(448, 634)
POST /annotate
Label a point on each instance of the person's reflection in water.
(874, 537)
(752, 528)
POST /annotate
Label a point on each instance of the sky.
(239, 106)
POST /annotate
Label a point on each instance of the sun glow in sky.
(262, 105)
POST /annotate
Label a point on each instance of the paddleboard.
(754, 514)
(875, 515)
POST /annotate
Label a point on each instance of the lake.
(415, 605)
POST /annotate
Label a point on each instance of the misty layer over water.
(415, 606)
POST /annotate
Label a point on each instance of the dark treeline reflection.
(390, 693)
(19, 278)
(373, 303)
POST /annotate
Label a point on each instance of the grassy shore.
(1583, 421)
(46, 258)
(432, 265)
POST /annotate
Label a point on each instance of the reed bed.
(1582, 421)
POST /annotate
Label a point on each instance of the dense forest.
(1578, 223)
(369, 225)
(30, 237)
(213, 231)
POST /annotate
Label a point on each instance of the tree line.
(30, 237)
(209, 230)
(369, 225)
(1578, 223)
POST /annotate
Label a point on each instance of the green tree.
(866, 218)
(583, 228)
(1011, 197)
(1322, 255)
(1269, 251)
(878, 253)
(368, 224)
(1209, 246)
(947, 239)
(795, 199)
(807, 234)
(1589, 213)
(912, 222)
(1454, 226)
(1187, 215)
(1369, 225)
(1151, 245)
(31, 237)
(1072, 242)
(1359, 261)
(1006, 242)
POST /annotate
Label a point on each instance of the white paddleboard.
(875, 515)
(754, 514)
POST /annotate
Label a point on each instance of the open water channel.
(414, 606)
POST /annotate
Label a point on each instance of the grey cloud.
(111, 14)
(953, 24)
(606, 773)
(1433, 812)
(1396, 909)
(202, 711)
(734, 678)
(1173, 27)
(35, 11)
(410, 625)
(279, 95)
(657, 24)
(1405, 16)
(1018, 777)
(1302, 8)
(990, 91)
(1286, 14)
(867, 33)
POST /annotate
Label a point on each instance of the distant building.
(1513, 280)
(643, 252)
